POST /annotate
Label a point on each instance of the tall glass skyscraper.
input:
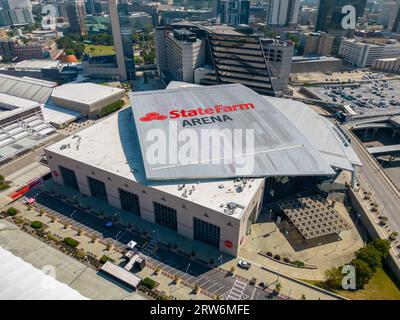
(330, 16)
(123, 41)
(234, 12)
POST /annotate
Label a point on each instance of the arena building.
(210, 201)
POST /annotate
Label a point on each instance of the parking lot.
(371, 98)
(207, 278)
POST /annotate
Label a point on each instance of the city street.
(374, 176)
(207, 278)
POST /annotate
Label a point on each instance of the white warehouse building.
(208, 202)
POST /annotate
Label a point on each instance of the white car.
(244, 264)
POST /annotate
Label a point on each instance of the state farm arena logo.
(153, 116)
(200, 116)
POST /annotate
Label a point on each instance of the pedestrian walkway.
(237, 291)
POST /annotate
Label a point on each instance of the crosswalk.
(237, 291)
(150, 248)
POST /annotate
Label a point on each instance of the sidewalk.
(290, 288)
(67, 270)
(58, 229)
(157, 232)
(179, 291)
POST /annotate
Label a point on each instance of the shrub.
(277, 257)
(333, 278)
(298, 263)
(70, 242)
(36, 224)
(18, 220)
(81, 254)
(363, 272)
(287, 260)
(111, 108)
(383, 246)
(370, 255)
(269, 254)
(393, 236)
(232, 270)
(12, 211)
(149, 283)
(104, 259)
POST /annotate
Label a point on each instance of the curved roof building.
(141, 161)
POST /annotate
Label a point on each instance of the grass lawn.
(99, 50)
(381, 287)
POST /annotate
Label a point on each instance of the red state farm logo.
(153, 116)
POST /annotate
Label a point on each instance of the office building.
(278, 55)
(316, 43)
(89, 6)
(387, 14)
(183, 54)
(234, 12)
(76, 13)
(363, 53)
(396, 23)
(330, 17)
(218, 54)
(16, 16)
(282, 13)
(34, 49)
(139, 20)
(307, 16)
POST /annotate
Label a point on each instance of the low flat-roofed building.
(301, 64)
(106, 161)
(86, 98)
(390, 65)
(45, 69)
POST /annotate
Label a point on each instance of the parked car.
(109, 224)
(253, 281)
(244, 264)
(263, 285)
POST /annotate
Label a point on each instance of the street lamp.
(72, 214)
(187, 268)
(158, 236)
(118, 214)
(220, 260)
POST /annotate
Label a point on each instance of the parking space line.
(215, 284)
(199, 279)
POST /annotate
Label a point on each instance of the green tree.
(363, 273)
(383, 246)
(333, 278)
(370, 255)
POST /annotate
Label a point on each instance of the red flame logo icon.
(153, 116)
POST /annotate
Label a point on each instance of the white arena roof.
(20, 280)
(329, 141)
(34, 64)
(112, 145)
(87, 93)
(280, 149)
(26, 88)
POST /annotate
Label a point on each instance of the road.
(387, 198)
(207, 278)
